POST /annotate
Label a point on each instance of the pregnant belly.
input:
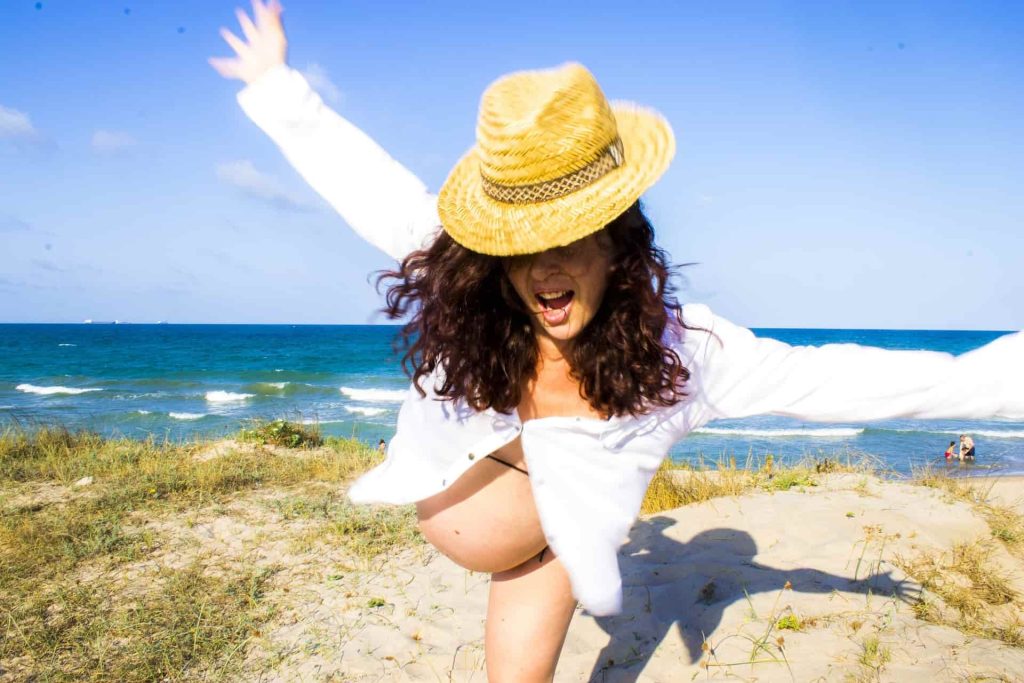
(486, 521)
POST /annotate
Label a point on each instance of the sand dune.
(705, 596)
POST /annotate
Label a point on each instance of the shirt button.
(471, 456)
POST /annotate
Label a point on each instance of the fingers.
(248, 28)
(260, 12)
(267, 14)
(225, 66)
(234, 41)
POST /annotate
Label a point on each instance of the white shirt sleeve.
(380, 199)
(738, 374)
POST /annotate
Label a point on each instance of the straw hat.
(554, 162)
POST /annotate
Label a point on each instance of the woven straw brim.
(487, 226)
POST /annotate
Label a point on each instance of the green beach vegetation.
(95, 586)
(123, 560)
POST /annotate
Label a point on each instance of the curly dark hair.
(468, 320)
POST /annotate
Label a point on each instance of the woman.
(552, 369)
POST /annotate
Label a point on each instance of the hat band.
(611, 158)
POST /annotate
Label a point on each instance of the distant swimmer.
(966, 448)
(382, 446)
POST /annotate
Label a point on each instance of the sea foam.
(363, 410)
(375, 395)
(226, 396)
(186, 416)
(996, 433)
(829, 432)
(44, 391)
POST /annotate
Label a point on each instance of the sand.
(706, 594)
(1007, 491)
(711, 573)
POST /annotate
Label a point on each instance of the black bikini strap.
(508, 464)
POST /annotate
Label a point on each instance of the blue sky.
(839, 164)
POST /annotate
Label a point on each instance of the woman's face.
(562, 288)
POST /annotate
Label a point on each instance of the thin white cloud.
(16, 124)
(111, 141)
(322, 83)
(242, 174)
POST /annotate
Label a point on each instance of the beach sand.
(705, 598)
(1007, 491)
(815, 583)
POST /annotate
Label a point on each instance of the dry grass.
(185, 623)
(968, 590)
(1006, 525)
(675, 485)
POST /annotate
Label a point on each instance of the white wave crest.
(314, 421)
(67, 344)
(828, 432)
(375, 395)
(44, 391)
(226, 396)
(363, 410)
(144, 412)
(279, 385)
(186, 416)
(997, 433)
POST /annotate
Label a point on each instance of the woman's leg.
(528, 615)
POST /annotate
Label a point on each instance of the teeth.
(547, 296)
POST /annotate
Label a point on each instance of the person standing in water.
(551, 366)
(966, 448)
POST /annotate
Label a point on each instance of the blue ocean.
(181, 382)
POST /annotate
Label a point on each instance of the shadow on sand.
(689, 585)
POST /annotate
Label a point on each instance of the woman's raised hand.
(267, 46)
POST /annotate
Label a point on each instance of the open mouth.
(555, 300)
(555, 305)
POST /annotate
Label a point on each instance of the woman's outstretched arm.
(379, 198)
(738, 374)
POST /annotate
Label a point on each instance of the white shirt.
(588, 475)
